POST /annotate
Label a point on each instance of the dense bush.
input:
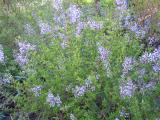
(79, 60)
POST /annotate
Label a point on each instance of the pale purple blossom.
(138, 30)
(151, 57)
(60, 20)
(25, 47)
(74, 13)
(45, 28)
(156, 68)
(104, 53)
(128, 65)
(64, 43)
(52, 100)
(94, 25)
(28, 29)
(58, 100)
(57, 4)
(127, 89)
(144, 58)
(121, 4)
(152, 40)
(36, 90)
(148, 86)
(1, 54)
(80, 26)
(21, 57)
(104, 56)
(79, 91)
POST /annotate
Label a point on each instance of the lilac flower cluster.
(36, 90)
(79, 91)
(52, 100)
(121, 4)
(156, 68)
(127, 89)
(150, 85)
(60, 20)
(21, 57)
(44, 28)
(152, 40)
(104, 53)
(128, 65)
(132, 25)
(80, 26)
(104, 56)
(151, 57)
(138, 30)
(94, 25)
(28, 29)
(1, 54)
(57, 4)
(129, 22)
(74, 13)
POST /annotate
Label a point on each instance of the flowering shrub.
(73, 62)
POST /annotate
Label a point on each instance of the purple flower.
(121, 4)
(148, 86)
(21, 57)
(104, 53)
(28, 29)
(60, 19)
(128, 65)
(24, 47)
(44, 28)
(52, 100)
(152, 40)
(74, 13)
(80, 27)
(156, 68)
(36, 90)
(94, 25)
(151, 57)
(127, 89)
(1, 54)
(57, 4)
(79, 91)
(144, 58)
